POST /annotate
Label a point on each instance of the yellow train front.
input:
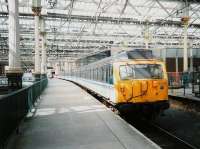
(132, 81)
(141, 86)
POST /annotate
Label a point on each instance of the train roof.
(135, 54)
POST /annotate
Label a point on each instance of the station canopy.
(77, 28)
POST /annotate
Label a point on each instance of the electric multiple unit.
(131, 81)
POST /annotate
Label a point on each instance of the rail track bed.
(177, 128)
(160, 136)
(186, 103)
(181, 123)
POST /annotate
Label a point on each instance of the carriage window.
(111, 74)
(141, 71)
(96, 74)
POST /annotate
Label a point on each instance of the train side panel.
(104, 89)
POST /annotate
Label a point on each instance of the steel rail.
(188, 145)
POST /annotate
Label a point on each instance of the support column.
(146, 35)
(44, 53)
(36, 8)
(177, 61)
(191, 60)
(65, 68)
(14, 72)
(164, 55)
(185, 50)
(185, 22)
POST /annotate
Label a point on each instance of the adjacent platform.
(180, 93)
(69, 118)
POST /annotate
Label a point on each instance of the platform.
(179, 93)
(69, 118)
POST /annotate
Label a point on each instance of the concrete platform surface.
(69, 118)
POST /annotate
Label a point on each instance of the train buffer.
(68, 117)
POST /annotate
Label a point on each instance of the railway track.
(185, 104)
(160, 136)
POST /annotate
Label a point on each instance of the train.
(132, 81)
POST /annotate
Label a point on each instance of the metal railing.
(3, 81)
(183, 83)
(15, 106)
(177, 79)
(196, 83)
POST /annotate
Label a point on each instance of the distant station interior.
(99, 74)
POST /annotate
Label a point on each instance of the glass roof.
(76, 28)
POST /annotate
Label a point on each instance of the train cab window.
(141, 71)
(150, 71)
(127, 72)
(157, 72)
